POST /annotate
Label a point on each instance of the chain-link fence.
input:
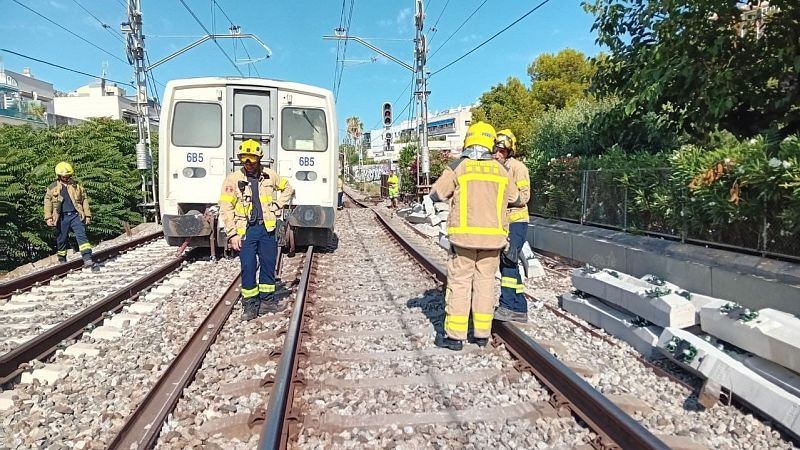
(646, 201)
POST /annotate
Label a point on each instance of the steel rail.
(27, 281)
(614, 426)
(142, 428)
(45, 343)
(274, 432)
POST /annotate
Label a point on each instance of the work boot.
(270, 306)
(250, 309)
(481, 342)
(62, 259)
(507, 315)
(446, 342)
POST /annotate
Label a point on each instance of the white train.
(203, 121)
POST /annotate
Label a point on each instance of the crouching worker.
(66, 207)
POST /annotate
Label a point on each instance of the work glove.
(87, 220)
(50, 222)
(509, 256)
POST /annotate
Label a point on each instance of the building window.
(251, 119)
(197, 125)
(304, 129)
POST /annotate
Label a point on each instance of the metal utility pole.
(144, 154)
(421, 53)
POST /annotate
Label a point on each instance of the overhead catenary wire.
(338, 51)
(435, 24)
(107, 27)
(191, 12)
(70, 31)
(464, 22)
(22, 55)
(344, 49)
(544, 2)
(230, 21)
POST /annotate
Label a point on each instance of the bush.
(103, 154)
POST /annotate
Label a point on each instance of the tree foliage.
(508, 105)
(103, 154)
(562, 79)
(702, 63)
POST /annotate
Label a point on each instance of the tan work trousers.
(470, 285)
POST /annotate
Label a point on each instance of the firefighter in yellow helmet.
(66, 207)
(513, 306)
(249, 205)
(479, 190)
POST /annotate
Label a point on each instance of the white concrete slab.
(444, 242)
(444, 215)
(142, 307)
(123, 320)
(617, 323)
(434, 220)
(106, 332)
(427, 229)
(427, 203)
(773, 335)
(417, 217)
(705, 360)
(535, 269)
(82, 349)
(665, 309)
(7, 400)
(49, 374)
(776, 373)
(698, 300)
(442, 206)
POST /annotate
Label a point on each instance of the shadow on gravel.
(431, 303)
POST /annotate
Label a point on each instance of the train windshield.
(304, 129)
(197, 125)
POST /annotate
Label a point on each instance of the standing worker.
(340, 187)
(480, 190)
(394, 188)
(513, 306)
(249, 204)
(66, 207)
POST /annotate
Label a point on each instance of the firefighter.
(479, 190)
(66, 207)
(340, 192)
(513, 306)
(394, 188)
(249, 206)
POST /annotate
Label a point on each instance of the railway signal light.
(387, 114)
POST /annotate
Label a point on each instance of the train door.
(253, 119)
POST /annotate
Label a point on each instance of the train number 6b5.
(194, 157)
(306, 161)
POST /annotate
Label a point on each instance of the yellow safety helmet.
(250, 148)
(507, 140)
(64, 169)
(480, 133)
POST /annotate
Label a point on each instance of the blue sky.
(294, 30)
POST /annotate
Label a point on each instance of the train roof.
(240, 81)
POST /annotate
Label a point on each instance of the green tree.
(703, 64)
(508, 105)
(562, 79)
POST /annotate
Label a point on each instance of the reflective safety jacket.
(394, 184)
(479, 193)
(236, 200)
(340, 185)
(53, 200)
(518, 172)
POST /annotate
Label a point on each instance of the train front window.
(304, 129)
(197, 124)
(251, 119)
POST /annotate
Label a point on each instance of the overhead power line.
(493, 36)
(435, 30)
(21, 55)
(344, 49)
(70, 31)
(230, 21)
(196, 19)
(114, 33)
(458, 29)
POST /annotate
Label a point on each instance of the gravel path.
(90, 402)
(616, 369)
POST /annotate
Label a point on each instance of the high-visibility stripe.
(489, 231)
(508, 282)
(520, 289)
(282, 183)
(456, 323)
(482, 321)
(519, 215)
(244, 210)
(85, 246)
(227, 198)
(523, 183)
(241, 231)
(266, 288)
(248, 293)
(270, 223)
(463, 180)
(61, 253)
(265, 198)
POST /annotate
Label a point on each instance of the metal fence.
(648, 206)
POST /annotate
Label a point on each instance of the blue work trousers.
(259, 251)
(72, 221)
(512, 291)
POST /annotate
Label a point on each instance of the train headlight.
(194, 172)
(306, 175)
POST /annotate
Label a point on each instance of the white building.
(446, 131)
(24, 99)
(102, 99)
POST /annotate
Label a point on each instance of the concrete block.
(49, 374)
(427, 229)
(553, 241)
(535, 269)
(82, 349)
(772, 335)
(444, 215)
(702, 358)
(417, 217)
(691, 276)
(709, 394)
(142, 307)
(617, 323)
(434, 220)
(444, 242)
(403, 212)
(666, 309)
(427, 203)
(442, 206)
(123, 320)
(599, 252)
(7, 400)
(755, 292)
(786, 379)
(106, 332)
